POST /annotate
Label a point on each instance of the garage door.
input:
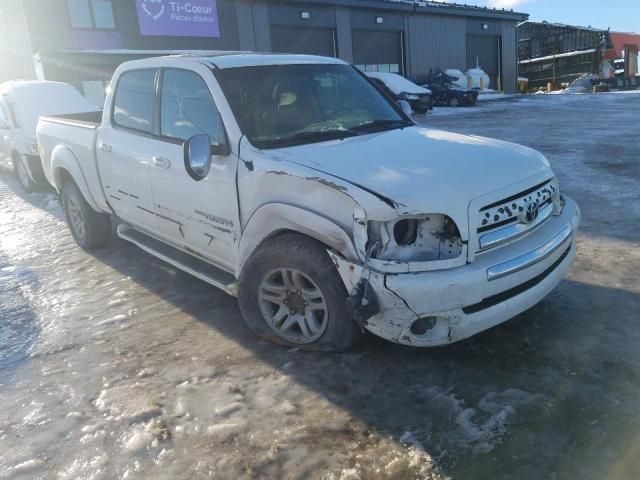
(484, 50)
(310, 41)
(378, 51)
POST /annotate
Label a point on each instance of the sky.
(620, 15)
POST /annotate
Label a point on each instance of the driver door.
(197, 216)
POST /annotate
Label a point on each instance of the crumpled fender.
(272, 218)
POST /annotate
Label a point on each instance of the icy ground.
(115, 365)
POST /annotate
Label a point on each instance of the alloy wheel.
(293, 305)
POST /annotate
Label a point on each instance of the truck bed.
(68, 142)
(86, 120)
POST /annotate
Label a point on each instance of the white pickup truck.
(294, 183)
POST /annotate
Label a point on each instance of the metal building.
(82, 41)
(554, 53)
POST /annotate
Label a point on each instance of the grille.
(508, 211)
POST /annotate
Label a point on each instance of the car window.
(187, 107)
(276, 102)
(134, 100)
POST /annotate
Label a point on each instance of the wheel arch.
(64, 167)
(276, 219)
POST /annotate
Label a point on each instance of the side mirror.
(197, 156)
(406, 108)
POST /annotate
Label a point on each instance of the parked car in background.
(445, 92)
(399, 88)
(21, 104)
(292, 182)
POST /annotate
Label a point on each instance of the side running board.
(179, 259)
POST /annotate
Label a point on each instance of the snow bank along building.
(82, 41)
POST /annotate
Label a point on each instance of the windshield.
(284, 105)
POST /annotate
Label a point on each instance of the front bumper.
(463, 301)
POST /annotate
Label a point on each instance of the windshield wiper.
(381, 124)
(300, 138)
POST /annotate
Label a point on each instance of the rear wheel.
(20, 169)
(89, 228)
(291, 293)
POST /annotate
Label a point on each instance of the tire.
(454, 102)
(421, 110)
(22, 174)
(89, 228)
(288, 273)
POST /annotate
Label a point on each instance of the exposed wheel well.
(61, 176)
(287, 231)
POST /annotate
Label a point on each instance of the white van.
(21, 104)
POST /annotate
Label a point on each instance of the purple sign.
(178, 18)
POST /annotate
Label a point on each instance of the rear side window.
(134, 100)
(187, 107)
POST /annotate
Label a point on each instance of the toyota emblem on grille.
(530, 212)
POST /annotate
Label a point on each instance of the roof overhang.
(424, 7)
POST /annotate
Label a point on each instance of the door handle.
(160, 162)
(105, 147)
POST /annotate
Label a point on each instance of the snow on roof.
(32, 99)
(559, 55)
(397, 83)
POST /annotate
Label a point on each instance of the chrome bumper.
(532, 257)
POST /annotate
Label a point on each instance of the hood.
(422, 170)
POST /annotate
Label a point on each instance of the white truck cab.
(21, 104)
(291, 182)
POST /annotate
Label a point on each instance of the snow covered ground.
(115, 365)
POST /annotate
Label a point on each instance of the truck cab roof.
(224, 59)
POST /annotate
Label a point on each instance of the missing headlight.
(424, 238)
(405, 232)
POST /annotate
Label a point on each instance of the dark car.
(445, 93)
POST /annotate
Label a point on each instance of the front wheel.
(89, 228)
(291, 293)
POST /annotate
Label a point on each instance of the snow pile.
(389, 460)
(460, 77)
(480, 428)
(398, 84)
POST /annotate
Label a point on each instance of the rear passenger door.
(125, 148)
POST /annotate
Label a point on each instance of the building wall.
(435, 41)
(15, 50)
(430, 37)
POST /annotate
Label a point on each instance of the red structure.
(625, 45)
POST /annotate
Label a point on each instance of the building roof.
(421, 6)
(563, 25)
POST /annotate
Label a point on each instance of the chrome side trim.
(530, 258)
(511, 232)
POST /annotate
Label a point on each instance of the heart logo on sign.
(153, 8)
